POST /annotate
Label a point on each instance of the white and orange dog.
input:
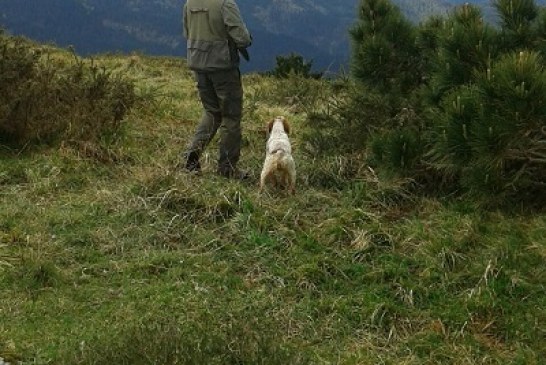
(279, 167)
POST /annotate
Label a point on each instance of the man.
(215, 34)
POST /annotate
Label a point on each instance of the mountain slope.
(151, 27)
(315, 29)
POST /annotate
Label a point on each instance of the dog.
(279, 167)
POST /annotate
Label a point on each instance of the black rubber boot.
(192, 163)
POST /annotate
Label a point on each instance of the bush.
(384, 52)
(509, 139)
(478, 105)
(353, 115)
(293, 64)
(44, 102)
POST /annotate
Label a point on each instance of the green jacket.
(214, 30)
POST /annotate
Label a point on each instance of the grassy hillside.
(119, 257)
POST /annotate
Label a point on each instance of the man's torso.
(205, 22)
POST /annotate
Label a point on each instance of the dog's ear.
(270, 126)
(285, 125)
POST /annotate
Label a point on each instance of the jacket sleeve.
(235, 26)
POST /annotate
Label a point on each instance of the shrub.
(353, 115)
(492, 134)
(293, 64)
(43, 102)
(466, 44)
(478, 106)
(384, 52)
(510, 140)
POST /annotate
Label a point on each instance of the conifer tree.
(429, 35)
(540, 32)
(386, 58)
(384, 53)
(293, 64)
(467, 44)
(510, 140)
(486, 126)
(462, 110)
(493, 132)
(516, 22)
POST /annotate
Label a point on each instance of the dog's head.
(280, 119)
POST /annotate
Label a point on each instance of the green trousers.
(221, 94)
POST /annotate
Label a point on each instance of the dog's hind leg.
(292, 183)
(267, 177)
(291, 176)
(263, 179)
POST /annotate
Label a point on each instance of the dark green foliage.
(492, 126)
(466, 45)
(493, 133)
(511, 140)
(399, 149)
(456, 124)
(539, 26)
(353, 115)
(293, 64)
(478, 96)
(43, 101)
(516, 19)
(429, 35)
(384, 48)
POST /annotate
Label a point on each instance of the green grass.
(128, 260)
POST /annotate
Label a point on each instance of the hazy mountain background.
(315, 29)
